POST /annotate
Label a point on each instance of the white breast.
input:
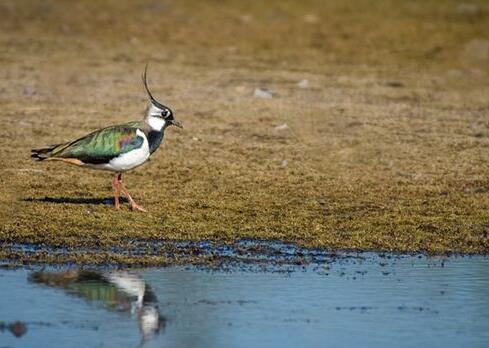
(130, 283)
(128, 160)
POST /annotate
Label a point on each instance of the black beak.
(176, 123)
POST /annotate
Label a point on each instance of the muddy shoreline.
(254, 254)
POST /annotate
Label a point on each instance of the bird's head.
(158, 116)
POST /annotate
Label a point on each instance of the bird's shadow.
(76, 200)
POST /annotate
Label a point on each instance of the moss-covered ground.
(384, 147)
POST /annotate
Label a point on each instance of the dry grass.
(385, 149)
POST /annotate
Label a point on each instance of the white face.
(154, 117)
(156, 123)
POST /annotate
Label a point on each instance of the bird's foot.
(137, 207)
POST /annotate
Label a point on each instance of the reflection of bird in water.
(145, 305)
(117, 290)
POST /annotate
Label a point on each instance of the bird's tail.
(45, 152)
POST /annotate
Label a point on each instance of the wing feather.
(102, 145)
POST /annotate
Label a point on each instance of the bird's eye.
(165, 113)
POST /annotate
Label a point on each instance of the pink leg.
(116, 185)
(132, 203)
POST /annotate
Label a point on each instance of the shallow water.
(355, 300)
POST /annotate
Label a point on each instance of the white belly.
(128, 160)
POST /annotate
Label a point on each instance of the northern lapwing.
(117, 148)
(120, 291)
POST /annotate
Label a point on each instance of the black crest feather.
(145, 83)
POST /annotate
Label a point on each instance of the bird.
(117, 148)
(115, 290)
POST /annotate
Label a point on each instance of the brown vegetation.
(384, 147)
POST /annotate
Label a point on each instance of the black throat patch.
(154, 139)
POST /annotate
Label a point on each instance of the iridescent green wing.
(102, 145)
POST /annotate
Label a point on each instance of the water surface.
(357, 300)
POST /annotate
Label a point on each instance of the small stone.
(284, 163)
(282, 126)
(262, 93)
(477, 50)
(29, 91)
(240, 89)
(395, 84)
(122, 58)
(155, 7)
(66, 29)
(303, 83)
(455, 73)
(468, 9)
(18, 329)
(311, 18)
(246, 18)
(195, 139)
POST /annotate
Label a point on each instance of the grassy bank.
(384, 147)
